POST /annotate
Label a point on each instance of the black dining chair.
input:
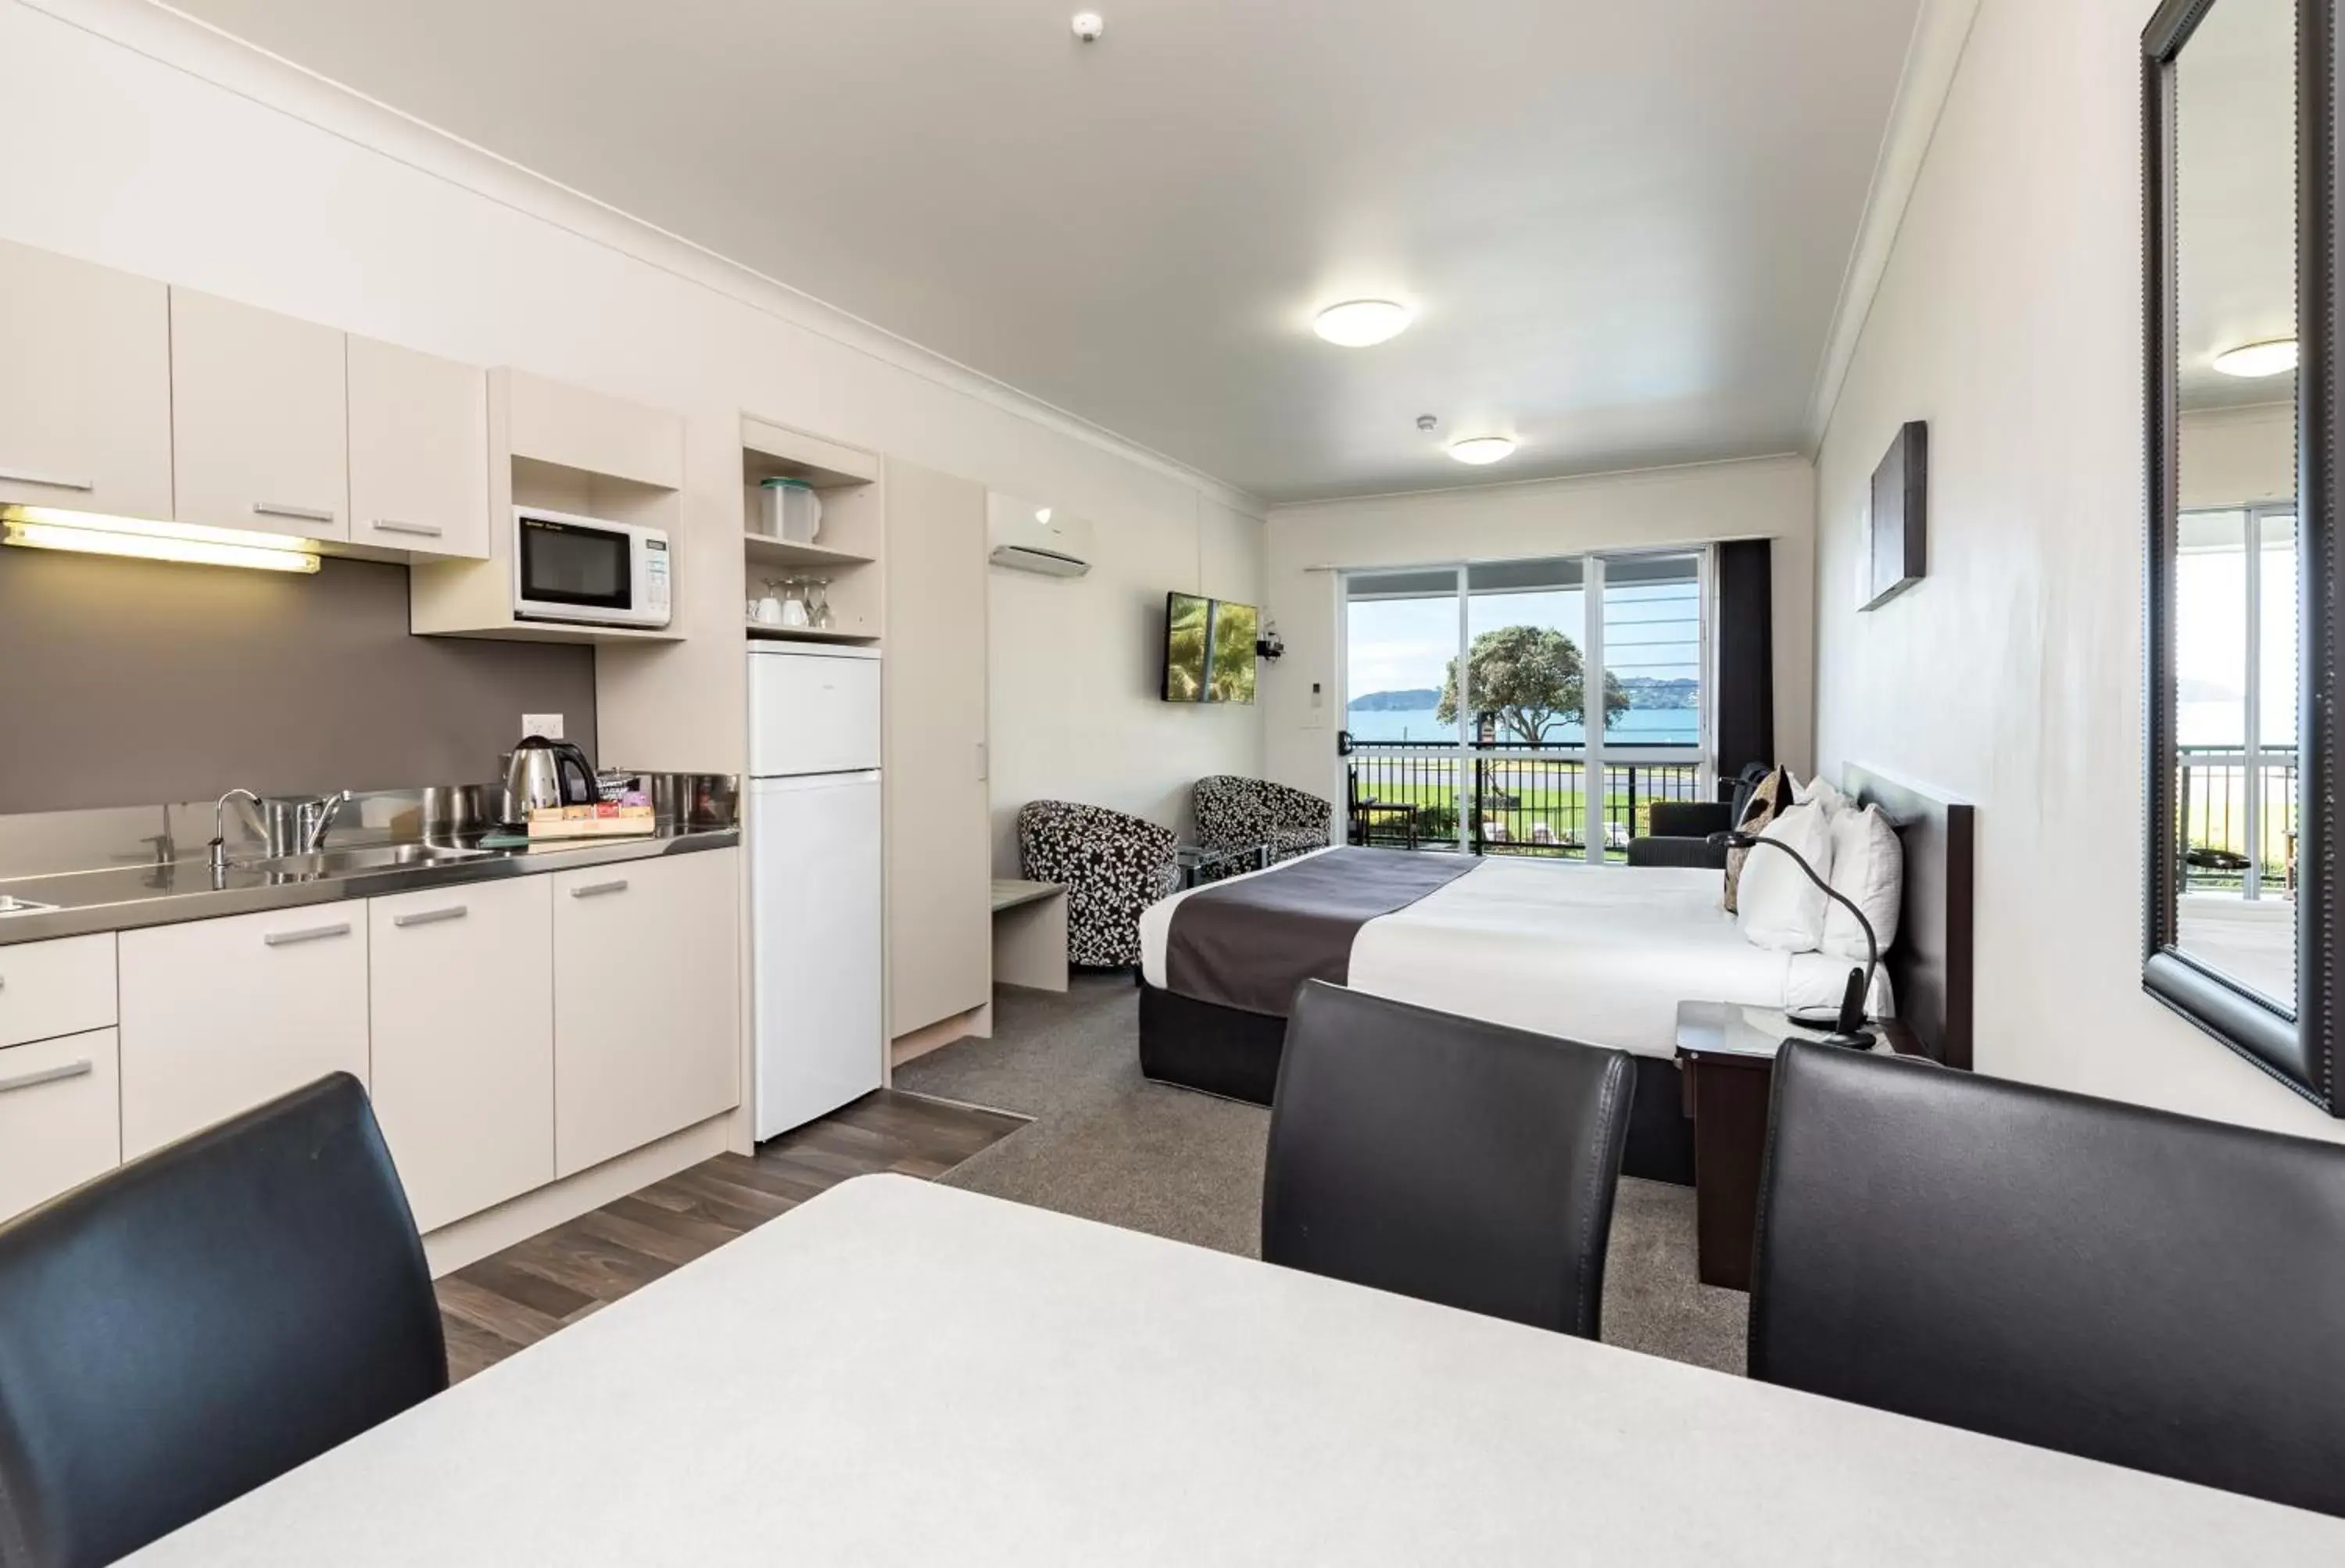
(1445, 1158)
(204, 1319)
(2124, 1284)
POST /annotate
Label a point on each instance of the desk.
(1726, 1053)
(1094, 1395)
(1029, 934)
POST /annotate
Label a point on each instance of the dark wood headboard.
(1930, 962)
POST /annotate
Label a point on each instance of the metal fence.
(1501, 799)
(2238, 819)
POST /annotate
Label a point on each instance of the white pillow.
(1869, 869)
(1821, 792)
(1776, 906)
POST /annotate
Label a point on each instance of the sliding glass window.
(1467, 702)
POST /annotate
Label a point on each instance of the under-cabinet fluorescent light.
(2271, 358)
(48, 528)
(1482, 449)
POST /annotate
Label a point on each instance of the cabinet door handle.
(45, 481)
(298, 514)
(56, 1074)
(596, 890)
(314, 933)
(422, 530)
(431, 917)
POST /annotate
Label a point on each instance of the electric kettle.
(544, 773)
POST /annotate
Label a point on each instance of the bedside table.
(1727, 1055)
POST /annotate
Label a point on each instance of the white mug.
(767, 609)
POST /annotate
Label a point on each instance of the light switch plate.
(547, 724)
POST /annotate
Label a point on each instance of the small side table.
(1197, 863)
(1727, 1055)
(1029, 934)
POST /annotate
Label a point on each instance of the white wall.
(1772, 498)
(2009, 319)
(136, 140)
(2238, 456)
(1078, 669)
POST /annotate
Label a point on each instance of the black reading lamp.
(1846, 1023)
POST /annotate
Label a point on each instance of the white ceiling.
(2234, 195)
(1625, 225)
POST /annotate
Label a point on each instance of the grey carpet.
(1107, 1144)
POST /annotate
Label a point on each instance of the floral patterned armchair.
(1237, 813)
(1112, 866)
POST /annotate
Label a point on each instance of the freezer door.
(813, 712)
(816, 941)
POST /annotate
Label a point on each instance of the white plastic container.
(792, 511)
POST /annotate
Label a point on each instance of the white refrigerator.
(817, 994)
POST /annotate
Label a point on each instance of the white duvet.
(1598, 953)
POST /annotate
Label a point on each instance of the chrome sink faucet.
(219, 824)
(284, 827)
(312, 817)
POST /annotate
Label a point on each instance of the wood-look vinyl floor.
(517, 1297)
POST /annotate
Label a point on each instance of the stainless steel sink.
(370, 857)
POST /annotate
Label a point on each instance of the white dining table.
(898, 1373)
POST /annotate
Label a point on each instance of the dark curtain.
(1746, 659)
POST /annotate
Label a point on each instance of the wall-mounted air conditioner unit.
(1029, 537)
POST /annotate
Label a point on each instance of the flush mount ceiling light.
(1361, 323)
(1089, 26)
(2273, 357)
(90, 534)
(1482, 449)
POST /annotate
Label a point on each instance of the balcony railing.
(2238, 819)
(1502, 799)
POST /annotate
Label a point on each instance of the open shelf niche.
(846, 551)
(565, 449)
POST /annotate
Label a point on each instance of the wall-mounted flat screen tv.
(1209, 649)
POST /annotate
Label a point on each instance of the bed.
(1585, 952)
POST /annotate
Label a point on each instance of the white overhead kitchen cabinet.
(86, 404)
(220, 1015)
(259, 420)
(647, 1002)
(419, 442)
(939, 836)
(462, 1008)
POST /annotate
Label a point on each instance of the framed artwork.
(1898, 518)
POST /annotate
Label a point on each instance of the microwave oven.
(588, 571)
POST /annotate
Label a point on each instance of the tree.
(1531, 679)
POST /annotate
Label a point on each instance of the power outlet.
(547, 724)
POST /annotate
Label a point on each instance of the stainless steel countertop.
(133, 897)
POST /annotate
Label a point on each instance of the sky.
(2210, 641)
(1399, 644)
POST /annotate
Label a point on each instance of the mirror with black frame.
(2238, 895)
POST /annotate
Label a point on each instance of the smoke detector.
(1427, 422)
(1089, 26)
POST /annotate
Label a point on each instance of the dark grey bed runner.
(1250, 943)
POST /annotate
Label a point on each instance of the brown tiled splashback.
(124, 682)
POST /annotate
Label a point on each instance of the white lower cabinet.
(510, 1032)
(220, 1015)
(647, 1002)
(59, 1117)
(463, 1017)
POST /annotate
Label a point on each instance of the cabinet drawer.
(60, 987)
(60, 1107)
(221, 1015)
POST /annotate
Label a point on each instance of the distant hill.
(1416, 701)
(1647, 692)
